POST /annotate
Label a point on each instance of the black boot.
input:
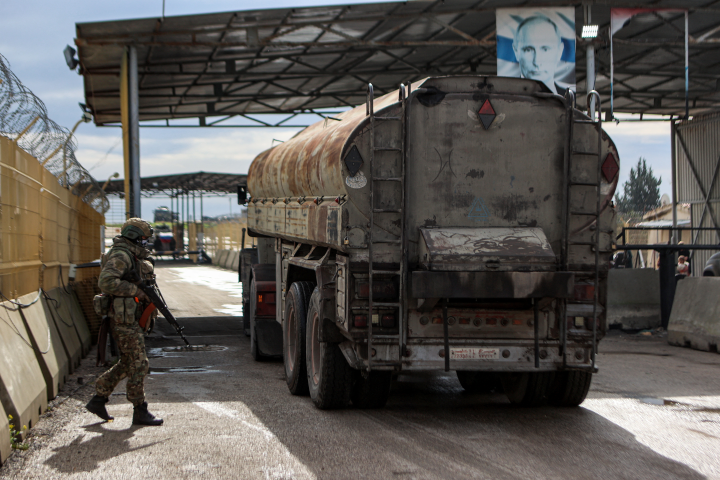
(141, 416)
(96, 405)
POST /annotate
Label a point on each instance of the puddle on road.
(166, 370)
(195, 348)
(165, 352)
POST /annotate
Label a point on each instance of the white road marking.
(292, 468)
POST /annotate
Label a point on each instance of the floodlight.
(590, 31)
(70, 59)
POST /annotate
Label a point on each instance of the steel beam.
(134, 133)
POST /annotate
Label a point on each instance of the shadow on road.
(431, 428)
(87, 451)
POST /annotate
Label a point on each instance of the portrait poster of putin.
(539, 44)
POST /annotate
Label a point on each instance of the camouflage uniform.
(123, 257)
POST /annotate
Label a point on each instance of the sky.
(33, 34)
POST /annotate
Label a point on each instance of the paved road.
(653, 413)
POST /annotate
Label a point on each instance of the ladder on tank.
(570, 186)
(399, 245)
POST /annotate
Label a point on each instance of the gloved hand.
(142, 297)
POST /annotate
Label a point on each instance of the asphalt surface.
(653, 413)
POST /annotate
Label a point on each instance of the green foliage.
(14, 434)
(641, 193)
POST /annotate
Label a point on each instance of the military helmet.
(135, 228)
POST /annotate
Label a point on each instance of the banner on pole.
(539, 44)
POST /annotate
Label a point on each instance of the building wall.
(701, 137)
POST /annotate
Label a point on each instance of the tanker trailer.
(462, 224)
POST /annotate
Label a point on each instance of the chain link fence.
(24, 119)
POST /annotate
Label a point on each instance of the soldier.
(129, 252)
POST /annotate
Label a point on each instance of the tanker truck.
(458, 224)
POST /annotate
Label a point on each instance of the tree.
(641, 193)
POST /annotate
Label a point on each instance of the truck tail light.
(360, 321)
(388, 320)
(584, 291)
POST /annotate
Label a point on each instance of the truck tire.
(478, 382)
(296, 310)
(570, 388)
(255, 352)
(527, 389)
(329, 376)
(372, 391)
(246, 319)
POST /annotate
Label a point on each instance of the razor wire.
(24, 119)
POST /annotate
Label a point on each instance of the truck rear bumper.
(498, 356)
(427, 284)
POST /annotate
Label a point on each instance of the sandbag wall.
(43, 337)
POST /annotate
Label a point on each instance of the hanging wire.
(10, 323)
(24, 119)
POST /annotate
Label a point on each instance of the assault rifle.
(153, 292)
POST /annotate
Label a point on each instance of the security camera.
(70, 59)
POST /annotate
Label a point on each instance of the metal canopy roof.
(223, 65)
(172, 185)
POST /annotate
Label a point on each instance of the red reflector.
(260, 298)
(437, 320)
(388, 321)
(610, 167)
(491, 321)
(486, 114)
(360, 320)
(517, 322)
(464, 321)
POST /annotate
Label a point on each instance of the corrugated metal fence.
(697, 149)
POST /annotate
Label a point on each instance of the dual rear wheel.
(531, 389)
(319, 368)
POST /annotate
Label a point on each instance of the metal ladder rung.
(388, 118)
(386, 337)
(387, 149)
(386, 210)
(386, 364)
(579, 152)
(583, 184)
(387, 179)
(590, 214)
(386, 272)
(388, 242)
(386, 304)
(589, 244)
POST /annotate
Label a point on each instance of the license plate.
(474, 353)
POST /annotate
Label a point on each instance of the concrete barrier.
(60, 314)
(46, 340)
(695, 316)
(230, 259)
(78, 317)
(236, 262)
(221, 257)
(226, 260)
(22, 387)
(5, 447)
(633, 300)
